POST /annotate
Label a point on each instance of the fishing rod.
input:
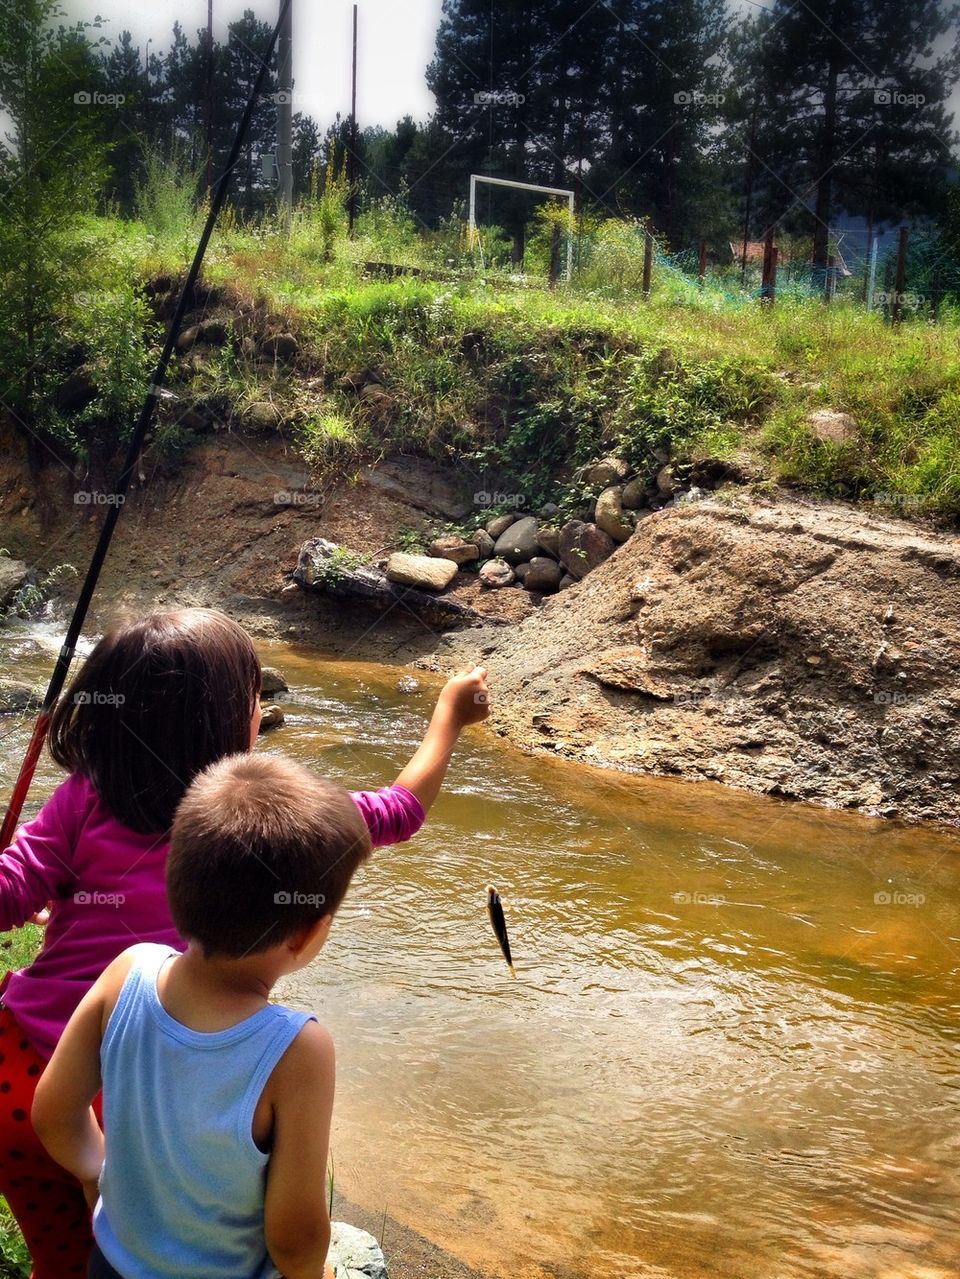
(118, 496)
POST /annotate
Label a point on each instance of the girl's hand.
(465, 697)
(42, 917)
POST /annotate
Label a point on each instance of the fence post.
(901, 282)
(647, 259)
(702, 266)
(872, 272)
(830, 280)
(768, 285)
(935, 296)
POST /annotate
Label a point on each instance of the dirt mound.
(798, 649)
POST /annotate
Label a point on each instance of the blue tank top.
(182, 1189)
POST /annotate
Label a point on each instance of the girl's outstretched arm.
(463, 700)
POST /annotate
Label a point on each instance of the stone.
(521, 571)
(13, 575)
(666, 481)
(376, 396)
(483, 542)
(355, 1254)
(280, 346)
(422, 571)
(518, 543)
(407, 684)
(263, 415)
(497, 573)
(548, 511)
(543, 575)
(15, 698)
(272, 682)
(830, 427)
(609, 470)
(272, 716)
(497, 526)
(454, 548)
(610, 516)
(188, 338)
(634, 494)
(549, 540)
(567, 581)
(583, 547)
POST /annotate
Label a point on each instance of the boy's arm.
(62, 1114)
(296, 1222)
(463, 700)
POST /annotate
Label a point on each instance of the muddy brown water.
(732, 1048)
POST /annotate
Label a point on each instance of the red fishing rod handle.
(24, 779)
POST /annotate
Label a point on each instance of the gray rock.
(497, 573)
(280, 346)
(567, 581)
(548, 511)
(214, 332)
(17, 697)
(499, 525)
(272, 717)
(262, 416)
(549, 539)
(607, 471)
(543, 575)
(666, 481)
(483, 542)
(610, 516)
(13, 575)
(831, 427)
(354, 1254)
(521, 571)
(518, 543)
(634, 494)
(272, 682)
(188, 338)
(422, 571)
(454, 548)
(583, 547)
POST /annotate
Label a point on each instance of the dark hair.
(154, 703)
(260, 848)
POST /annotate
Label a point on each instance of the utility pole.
(208, 103)
(352, 157)
(285, 117)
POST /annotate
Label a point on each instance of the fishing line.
(118, 496)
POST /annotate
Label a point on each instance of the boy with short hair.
(217, 1103)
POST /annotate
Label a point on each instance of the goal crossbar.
(569, 196)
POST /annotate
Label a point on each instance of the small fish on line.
(495, 911)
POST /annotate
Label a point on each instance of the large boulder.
(610, 516)
(13, 575)
(543, 575)
(272, 681)
(454, 548)
(609, 470)
(518, 543)
(583, 547)
(549, 539)
(634, 494)
(499, 524)
(424, 572)
(280, 346)
(830, 427)
(483, 542)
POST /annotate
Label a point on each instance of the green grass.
(16, 950)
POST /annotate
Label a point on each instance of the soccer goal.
(523, 186)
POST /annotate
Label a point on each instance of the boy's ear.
(308, 937)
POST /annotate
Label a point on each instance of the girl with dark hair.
(156, 702)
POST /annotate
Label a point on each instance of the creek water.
(732, 1047)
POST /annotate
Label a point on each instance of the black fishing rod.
(118, 496)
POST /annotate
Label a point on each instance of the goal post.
(523, 186)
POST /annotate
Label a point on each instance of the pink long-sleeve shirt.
(107, 885)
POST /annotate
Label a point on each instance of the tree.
(858, 98)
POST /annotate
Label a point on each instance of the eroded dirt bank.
(796, 648)
(800, 649)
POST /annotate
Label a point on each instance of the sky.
(396, 41)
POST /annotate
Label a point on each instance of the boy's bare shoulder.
(310, 1061)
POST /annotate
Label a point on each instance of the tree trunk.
(825, 162)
